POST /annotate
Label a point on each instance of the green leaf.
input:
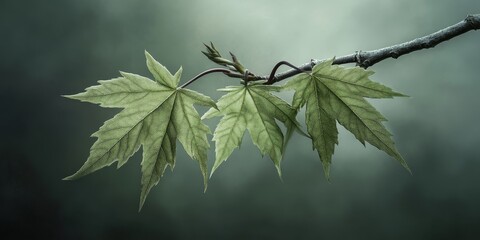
(334, 93)
(155, 114)
(161, 74)
(251, 107)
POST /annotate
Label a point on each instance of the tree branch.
(366, 59)
(363, 59)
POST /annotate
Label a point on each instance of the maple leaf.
(251, 107)
(155, 114)
(333, 93)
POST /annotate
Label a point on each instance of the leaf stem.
(206, 72)
(272, 78)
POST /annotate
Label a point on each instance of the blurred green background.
(55, 47)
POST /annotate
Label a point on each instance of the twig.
(366, 59)
(363, 59)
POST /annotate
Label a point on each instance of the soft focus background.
(50, 48)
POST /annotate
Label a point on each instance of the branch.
(363, 59)
(366, 59)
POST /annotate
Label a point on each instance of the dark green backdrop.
(55, 47)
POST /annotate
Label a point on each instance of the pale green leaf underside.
(255, 109)
(334, 93)
(155, 115)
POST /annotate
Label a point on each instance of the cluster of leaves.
(157, 112)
